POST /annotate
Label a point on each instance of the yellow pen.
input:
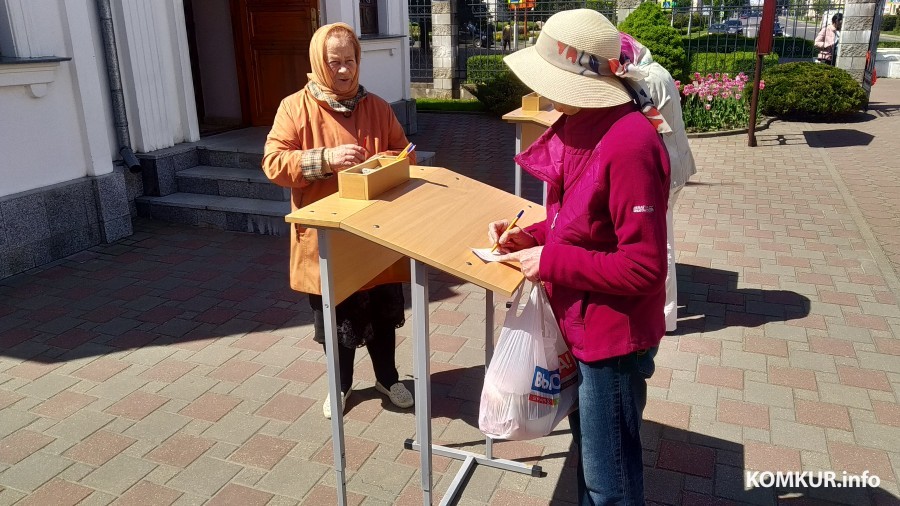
(511, 225)
(403, 154)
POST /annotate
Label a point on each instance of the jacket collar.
(580, 132)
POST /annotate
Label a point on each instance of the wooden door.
(272, 39)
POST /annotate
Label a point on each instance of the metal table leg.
(423, 424)
(422, 356)
(331, 352)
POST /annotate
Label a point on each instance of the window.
(368, 17)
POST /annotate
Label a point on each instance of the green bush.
(651, 28)
(719, 43)
(494, 84)
(803, 90)
(888, 23)
(794, 47)
(888, 43)
(730, 63)
(698, 21)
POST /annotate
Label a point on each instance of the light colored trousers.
(671, 308)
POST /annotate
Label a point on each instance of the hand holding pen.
(508, 237)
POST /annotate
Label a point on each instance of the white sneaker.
(398, 394)
(326, 406)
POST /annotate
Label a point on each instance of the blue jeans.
(606, 428)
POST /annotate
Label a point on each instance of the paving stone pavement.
(177, 367)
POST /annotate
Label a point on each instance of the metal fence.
(715, 33)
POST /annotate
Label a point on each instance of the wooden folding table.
(434, 218)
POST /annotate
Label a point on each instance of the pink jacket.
(825, 41)
(604, 257)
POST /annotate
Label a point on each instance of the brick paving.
(177, 367)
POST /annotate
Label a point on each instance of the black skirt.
(358, 315)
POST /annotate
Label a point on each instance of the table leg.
(422, 356)
(334, 381)
(518, 185)
(488, 352)
(470, 460)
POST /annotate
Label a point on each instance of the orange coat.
(302, 123)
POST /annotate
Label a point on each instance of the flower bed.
(716, 102)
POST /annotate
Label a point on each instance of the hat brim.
(564, 87)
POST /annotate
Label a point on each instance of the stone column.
(859, 15)
(443, 43)
(624, 8)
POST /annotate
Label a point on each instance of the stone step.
(230, 182)
(238, 214)
(222, 157)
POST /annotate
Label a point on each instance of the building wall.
(381, 68)
(54, 124)
(60, 190)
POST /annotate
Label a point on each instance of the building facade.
(87, 86)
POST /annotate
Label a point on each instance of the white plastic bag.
(531, 382)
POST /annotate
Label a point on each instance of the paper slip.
(485, 254)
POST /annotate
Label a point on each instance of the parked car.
(471, 34)
(734, 26)
(718, 28)
(777, 30)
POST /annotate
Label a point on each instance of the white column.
(155, 67)
(89, 81)
(184, 89)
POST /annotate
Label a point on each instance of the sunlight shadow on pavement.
(837, 138)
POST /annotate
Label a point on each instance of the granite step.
(240, 214)
(230, 182)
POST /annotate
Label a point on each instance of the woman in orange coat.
(329, 125)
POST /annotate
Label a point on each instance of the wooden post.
(754, 98)
(764, 42)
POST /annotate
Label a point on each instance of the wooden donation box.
(531, 120)
(432, 216)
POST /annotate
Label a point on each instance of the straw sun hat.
(570, 62)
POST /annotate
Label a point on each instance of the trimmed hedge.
(716, 43)
(494, 84)
(888, 23)
(803, 90)
(651, 28)
(697, 21)
(448, 105)
(729, 63)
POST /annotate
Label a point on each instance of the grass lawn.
(448, 105)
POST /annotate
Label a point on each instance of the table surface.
(544, 118)
(434, 218)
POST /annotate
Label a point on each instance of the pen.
(511, 225)
(406, 151)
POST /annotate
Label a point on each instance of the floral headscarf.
(629, 68)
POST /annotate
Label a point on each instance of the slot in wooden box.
(382, 174)
(533, 102)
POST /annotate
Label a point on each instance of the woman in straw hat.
(328, 126)
(601, 253)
